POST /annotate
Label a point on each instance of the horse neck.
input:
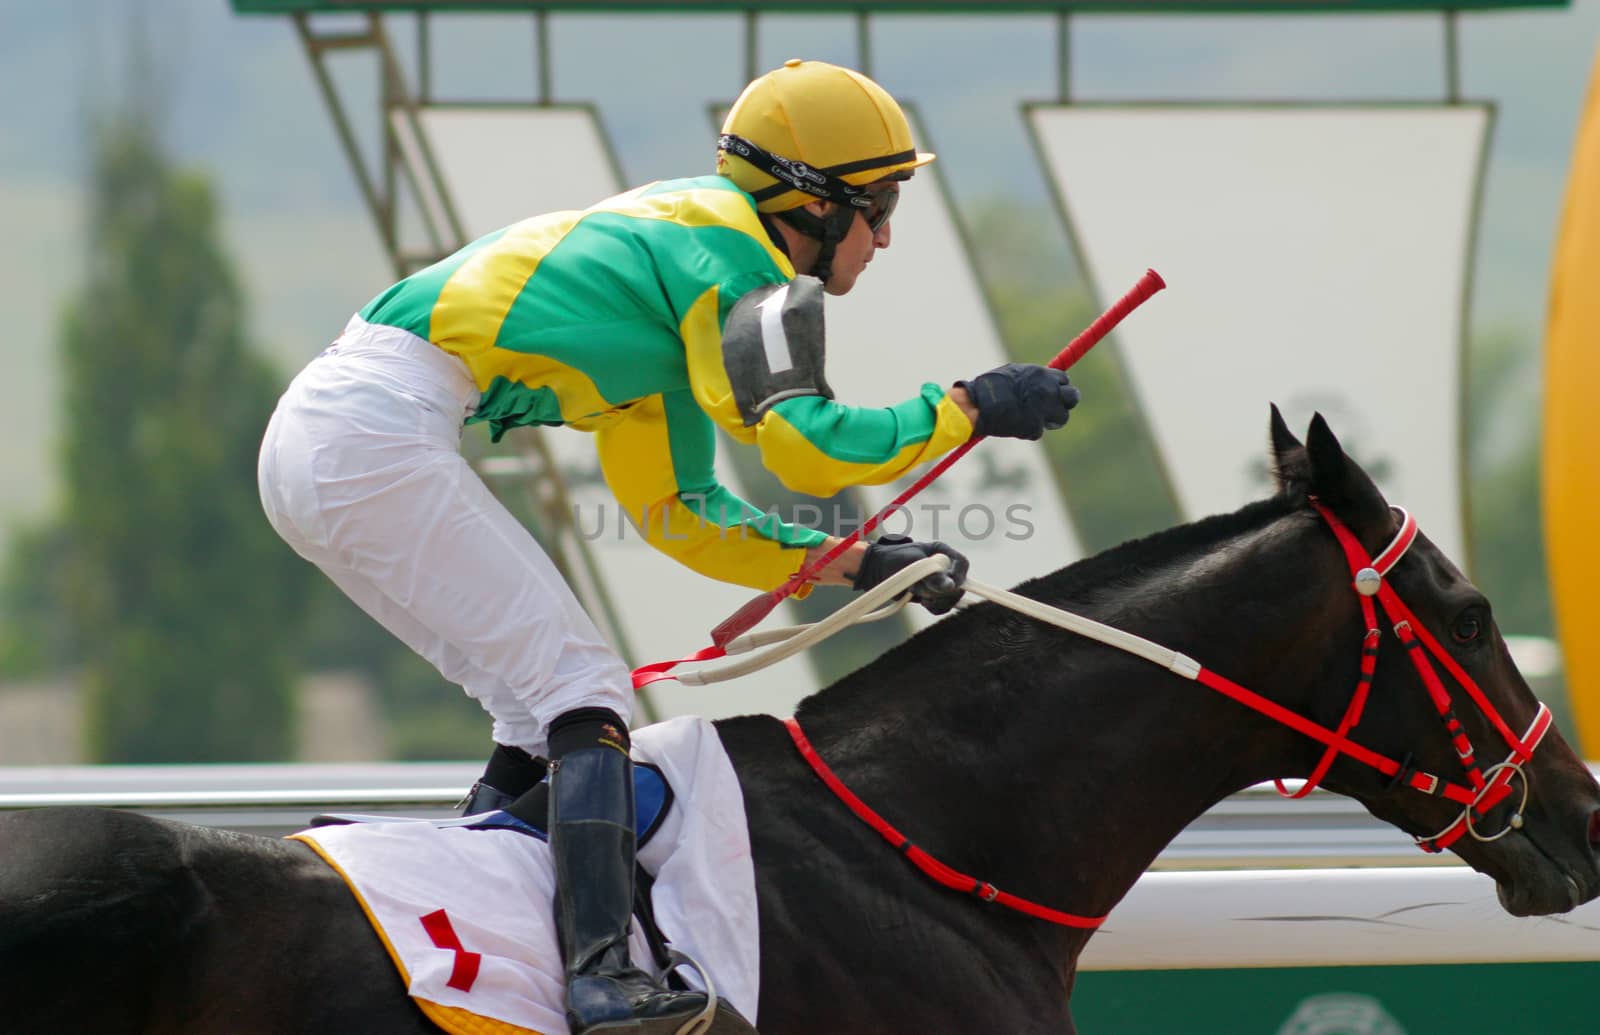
(1058, 768)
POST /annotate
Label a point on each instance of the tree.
(185, 602)
(36, 639)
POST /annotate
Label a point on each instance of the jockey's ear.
(1340, 483)
(1289, 461)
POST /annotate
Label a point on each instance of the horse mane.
(1099, 586)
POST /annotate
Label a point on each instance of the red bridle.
(1486, 790)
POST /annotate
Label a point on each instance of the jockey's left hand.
(938, 592)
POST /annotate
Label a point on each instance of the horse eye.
(1467, 628)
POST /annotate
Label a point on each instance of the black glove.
(938, 592)
(1020, 400)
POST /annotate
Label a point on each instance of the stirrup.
(700, 1024)
(719, 1017)
(716, 1017)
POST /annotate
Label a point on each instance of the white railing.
(1253, 829)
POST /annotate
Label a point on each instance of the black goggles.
(884, 199)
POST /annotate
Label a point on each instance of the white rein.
(879, 602)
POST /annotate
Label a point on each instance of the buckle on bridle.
(1515, 822)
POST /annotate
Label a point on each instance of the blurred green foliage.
(183, 607)
(35, 636)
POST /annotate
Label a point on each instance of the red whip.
(747, 617)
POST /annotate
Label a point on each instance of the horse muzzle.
(1555, 875)
(1528, 898)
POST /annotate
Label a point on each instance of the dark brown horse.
(1054, 766)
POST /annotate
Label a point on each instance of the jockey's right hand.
(938, 592)
(1020, 400)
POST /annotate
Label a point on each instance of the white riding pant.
(361, 472)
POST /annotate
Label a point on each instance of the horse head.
(1478, 768)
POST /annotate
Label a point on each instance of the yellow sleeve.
(658, 462)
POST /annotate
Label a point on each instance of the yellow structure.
(1572, 428)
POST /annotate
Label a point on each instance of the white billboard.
(1317, 257)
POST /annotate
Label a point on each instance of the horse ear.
(1289, 461)
(1340, 482)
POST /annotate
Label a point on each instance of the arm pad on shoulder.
(772, 346)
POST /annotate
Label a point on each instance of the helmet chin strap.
(827, 230)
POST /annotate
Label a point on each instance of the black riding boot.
(592, 843)
(511, 773)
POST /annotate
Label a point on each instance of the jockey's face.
(853, 253)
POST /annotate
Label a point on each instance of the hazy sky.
(243, 105)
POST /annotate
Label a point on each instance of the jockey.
(650, 319)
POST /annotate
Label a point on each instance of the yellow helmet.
(809, 130)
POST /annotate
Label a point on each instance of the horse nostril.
(1594, 829)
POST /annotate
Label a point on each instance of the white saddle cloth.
(489, 964)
